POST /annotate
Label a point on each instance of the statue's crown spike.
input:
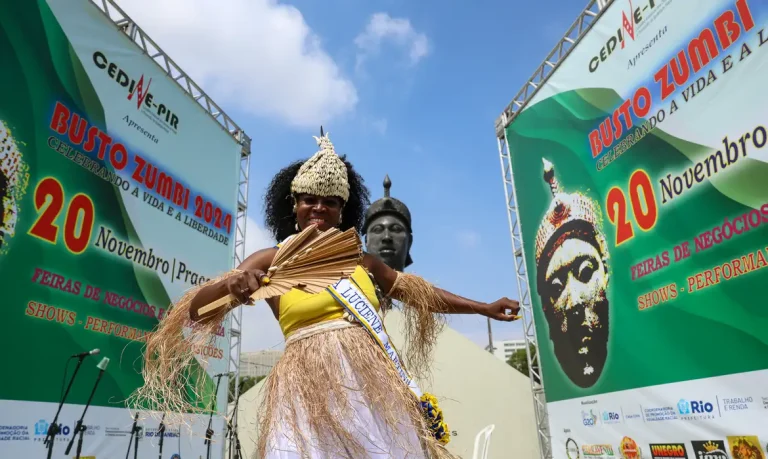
(387, 185)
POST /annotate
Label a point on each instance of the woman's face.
(325, 212)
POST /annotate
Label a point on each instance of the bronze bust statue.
(387, 230)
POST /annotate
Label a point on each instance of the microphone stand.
(161, 432)
(209, 430)
(232, 434)
(134, 439)
(54, 428)
(80, 428)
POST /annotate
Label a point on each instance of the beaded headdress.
(14, 177)
(568, 213)
(324, 174)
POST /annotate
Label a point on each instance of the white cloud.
(468, 239)
(256, 237)
(383, 27)
(259, 56)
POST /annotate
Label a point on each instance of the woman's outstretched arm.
(502, 309)
(241, 285)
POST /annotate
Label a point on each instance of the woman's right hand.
(243, 284)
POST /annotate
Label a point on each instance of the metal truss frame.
(575, 33)
(578, 29)
(148, 46)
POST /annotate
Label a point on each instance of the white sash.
(350, 296)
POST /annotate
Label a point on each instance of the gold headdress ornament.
(566, 211)
(324, 174)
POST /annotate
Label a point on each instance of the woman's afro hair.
(278, 202)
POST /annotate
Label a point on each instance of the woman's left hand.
(503, 309)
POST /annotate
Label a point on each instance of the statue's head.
(387, 230)
(572, 281)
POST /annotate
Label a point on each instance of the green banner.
(118, 193)
(641, 178)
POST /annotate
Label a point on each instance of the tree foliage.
(246, 383)
(519, 360)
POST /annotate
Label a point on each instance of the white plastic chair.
(483, 442)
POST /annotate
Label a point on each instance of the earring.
(296, 226)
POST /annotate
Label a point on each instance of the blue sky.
(411, 89)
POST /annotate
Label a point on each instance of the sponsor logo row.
(738, 447)
(685, 409)
(38, 432)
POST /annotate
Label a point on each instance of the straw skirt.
(335, 394)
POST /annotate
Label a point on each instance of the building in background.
(503, 350)
(258, 363)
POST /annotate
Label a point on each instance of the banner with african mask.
(641, 173)
(118, 193)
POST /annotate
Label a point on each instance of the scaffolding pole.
(529, 325)
(148, 46)
(587, 18)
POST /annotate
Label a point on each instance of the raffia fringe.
(175, 379)
(424, 316)
(311, 399)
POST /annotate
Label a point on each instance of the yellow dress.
(334, 393)
(299, 309)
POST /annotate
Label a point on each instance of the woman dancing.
(338, 390)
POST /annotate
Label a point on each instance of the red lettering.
(606, 133)
(700, 281)
(680, 70)
(37, 274)
(624, 110)
(59, 118)
(57, 281)
(702, 50)
(165, 185)
(745, 15)
(77, 129)
(118, 149)
(90, 142)
(737, 271)
(594, 143)
(137, 173)
(662, 77)
(728, 30)
(178, 194)
(708, 278)
(104, 141)
(141, 92)
(643, 94)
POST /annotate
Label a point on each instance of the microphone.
(80, 428)
(85, 354)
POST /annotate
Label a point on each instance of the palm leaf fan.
(309, 261)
